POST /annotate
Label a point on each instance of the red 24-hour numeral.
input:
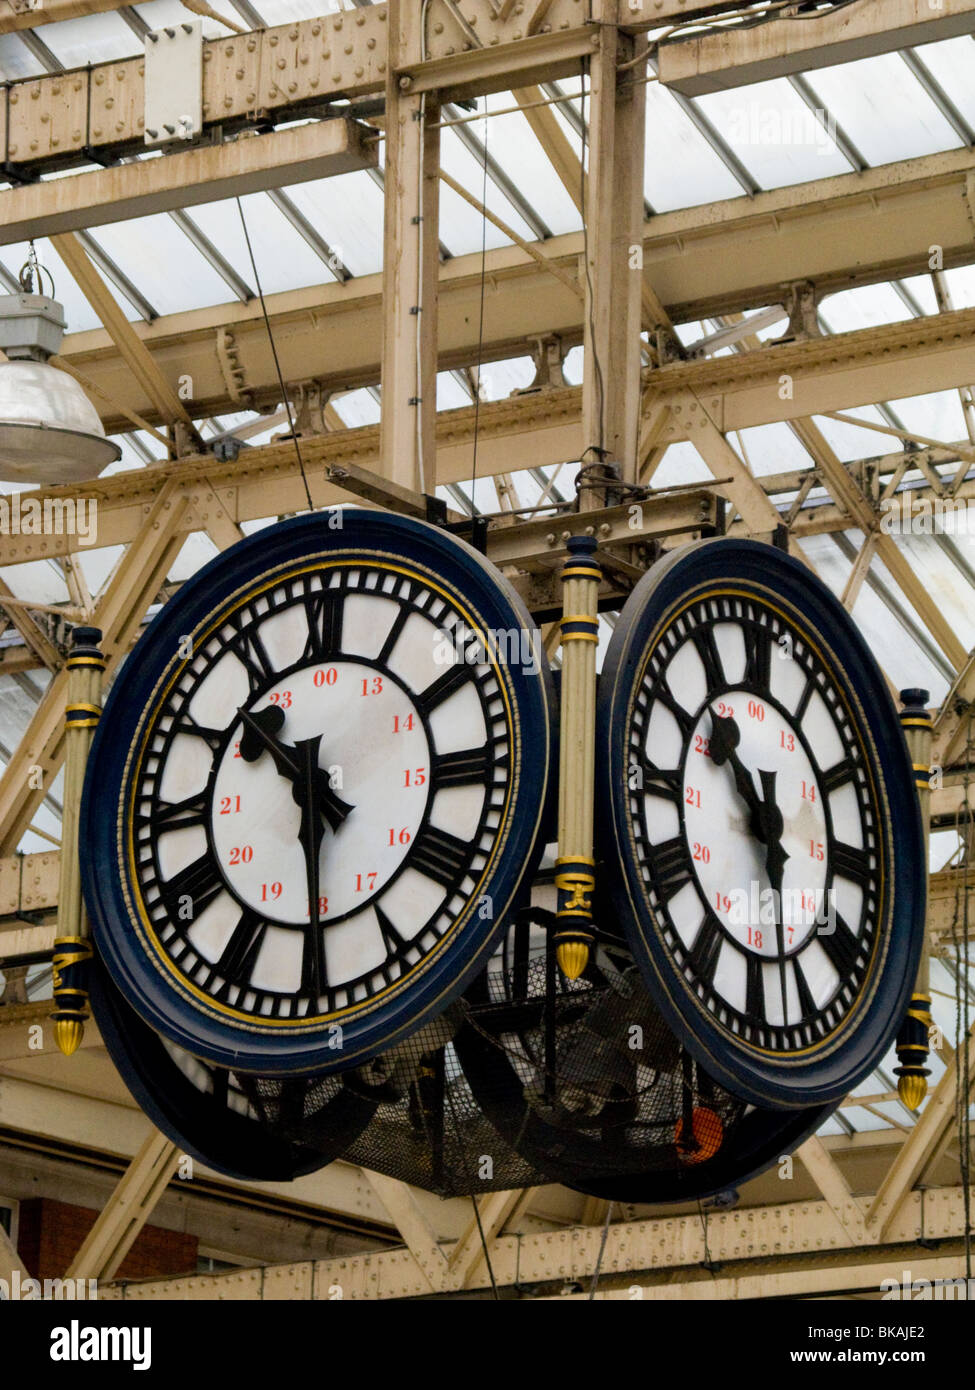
(402, 837)
(270, 892)
(787, 741)
(817, 850)
(328, 677)
(241, 854)
(692, 797)
(372, 687)
(280, 697)
(403, 723)
(322, 907)
(702, 854)
(229, 805)
(416, 777)
(702, 745)
(755, 937)
(756, 711)
(365, 882)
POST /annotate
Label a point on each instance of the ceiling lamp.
(49, 430)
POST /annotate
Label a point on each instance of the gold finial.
(573, 957)
(68, 1033)
(912, 1087)
(70, 961)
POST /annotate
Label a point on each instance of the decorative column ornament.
(912, 1040)
(72, 948)
(574, 878)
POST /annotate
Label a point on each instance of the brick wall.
(51, 1233)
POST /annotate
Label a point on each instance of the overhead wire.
(274, 354)
(602, 1251)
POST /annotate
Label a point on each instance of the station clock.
(315, 792)
(762, 840)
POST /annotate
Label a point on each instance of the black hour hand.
(259, 728)
(724, 740)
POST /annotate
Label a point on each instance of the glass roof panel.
(883, 109)
(348, 212)
(572, 366)
(681, 464)
(850, 443)
(903, 660)
(164, 263)
(682, 169)
(358, 408)
(499, 379)
(450, 394)
(98, 564)
(16, 59)
(774, 133)
(40, 580)
(938, 415)
(105, 36)
(830, 1127)
(284, 259)
(961, 285)
(950, 64)
(159, 13)
(281, 11)
(867, 306)
(922, 289)
(512, 142)
(462, 225)
(77, 311)
(772, 449)
(197, 550)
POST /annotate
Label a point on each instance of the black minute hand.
(312, 833)
(775, 868)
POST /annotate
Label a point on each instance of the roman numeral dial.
(324, 792)
(754, 823)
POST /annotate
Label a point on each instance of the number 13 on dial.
(755, 785)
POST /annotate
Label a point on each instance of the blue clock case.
(146, 983)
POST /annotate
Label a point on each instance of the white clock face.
(755, 822)
(320, 792)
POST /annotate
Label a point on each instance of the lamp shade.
(49, 430)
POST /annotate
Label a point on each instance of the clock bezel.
(146, 977)
(829, 1069)
(222, 1139)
